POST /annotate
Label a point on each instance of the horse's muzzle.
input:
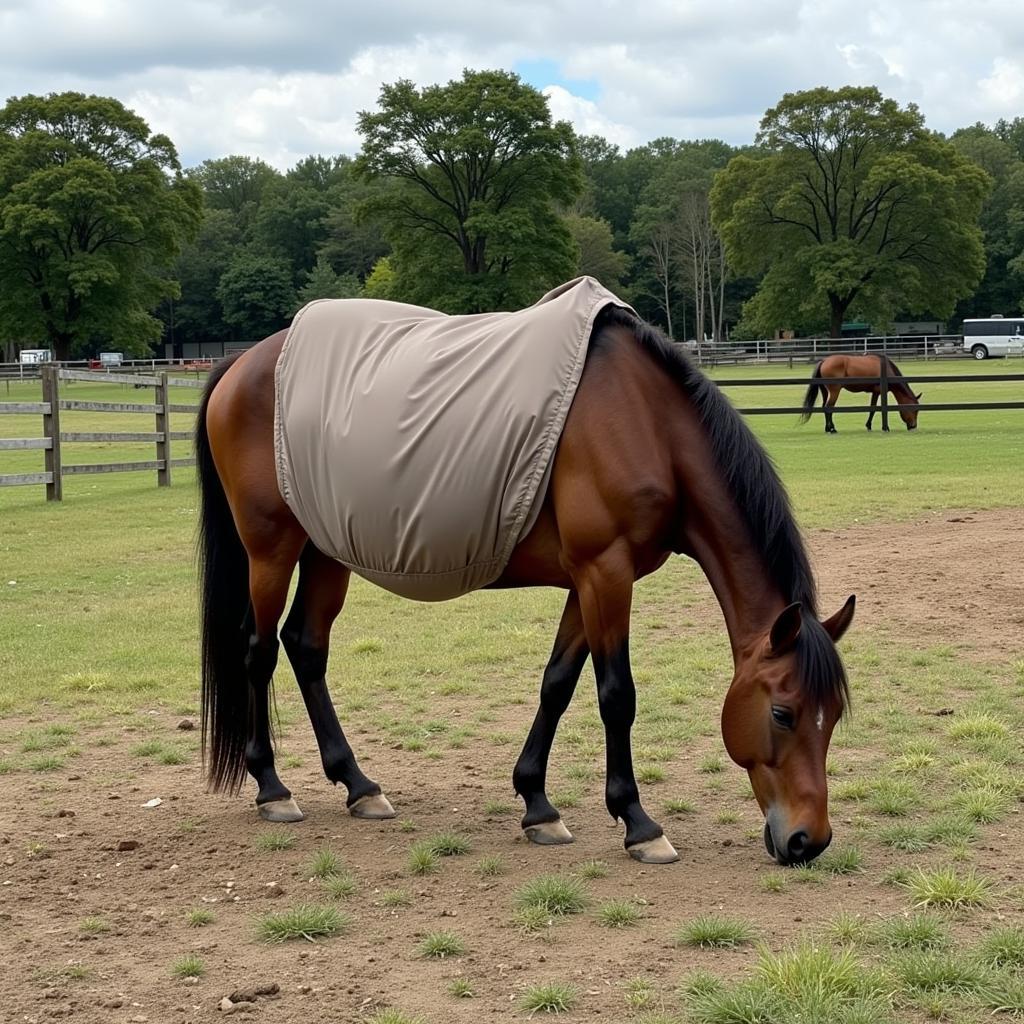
(798, 849)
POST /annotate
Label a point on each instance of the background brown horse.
(652, 461)
(869, 365)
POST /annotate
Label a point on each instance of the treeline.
(469, 197)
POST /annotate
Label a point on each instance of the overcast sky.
(284, 78)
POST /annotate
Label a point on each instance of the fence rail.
(53, 405)
(53, 437)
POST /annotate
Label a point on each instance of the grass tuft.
(423, 859)
(591, 869)
(944, 887)
(395, 898)
(555, 895)
(199, 918)
(303, 921)
(711, 931)
(441, 945)
(552, 997)
(1003, 947)
(808, 983)
(847, 860)
(927, 970)
(461, 988)
(449, 844)
(272, 841)
(618, 914)
(188, 966)
(490, 867)
(340, 886)
(916, 931)
(324, 864)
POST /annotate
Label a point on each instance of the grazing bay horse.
(652, 461)
(839, 366)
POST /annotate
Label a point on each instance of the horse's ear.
(836, 625)
(786, 629)
(918, 396)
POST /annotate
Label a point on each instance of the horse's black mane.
(896, 379)
(754, 484)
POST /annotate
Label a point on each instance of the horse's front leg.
(874, 402)
(605, 587)
(542, 822)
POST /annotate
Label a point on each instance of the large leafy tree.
(93, 212)
(851, 205)
(480, 168)
(257, 294)
(1002, 220)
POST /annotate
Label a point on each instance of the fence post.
(163, 428)
(51, 429)
(883, 388)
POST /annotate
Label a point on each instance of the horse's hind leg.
(323, 584)
(542, 823)
(830, 403)
(871, 414)
(270, 573)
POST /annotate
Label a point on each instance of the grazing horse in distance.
(650, 461)
(839, 366)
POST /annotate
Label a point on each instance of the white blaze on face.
(820, 720)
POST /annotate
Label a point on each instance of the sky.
(281, 79)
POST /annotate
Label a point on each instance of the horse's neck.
(715, 535)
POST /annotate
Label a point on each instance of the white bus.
(995, 336)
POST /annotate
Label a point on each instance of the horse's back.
(413, 446)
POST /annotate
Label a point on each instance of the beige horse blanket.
(416, 447)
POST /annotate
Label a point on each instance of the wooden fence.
(52, 405)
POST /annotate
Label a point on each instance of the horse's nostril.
(798, 844)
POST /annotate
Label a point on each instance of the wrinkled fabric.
(416, 447)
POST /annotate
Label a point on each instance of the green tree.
(480, 168)
(1002, 220)
(236, 184)
(323, 283)
(380, 282)
(851, 204)
(598, 257)
(197, 315)
(93, 213)
(257, 294)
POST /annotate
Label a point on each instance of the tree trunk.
(838, 306)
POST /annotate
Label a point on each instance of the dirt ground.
(60, 863)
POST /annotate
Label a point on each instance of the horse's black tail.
(812, 393)
(224, 602)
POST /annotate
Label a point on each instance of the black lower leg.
(530, 774)
(871, 414)
(310, 666)
(260, 662)
(617, 698)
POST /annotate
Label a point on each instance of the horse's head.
(788, 693)
(909, 416)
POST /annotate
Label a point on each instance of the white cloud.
(284, 78)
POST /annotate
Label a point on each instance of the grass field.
(98, 634)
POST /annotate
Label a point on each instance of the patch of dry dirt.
(60, 862)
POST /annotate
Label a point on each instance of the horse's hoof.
(280, 810)
(549, 833)
(654, 851)
(376, 807)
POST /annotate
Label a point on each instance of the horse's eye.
(783, 717)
